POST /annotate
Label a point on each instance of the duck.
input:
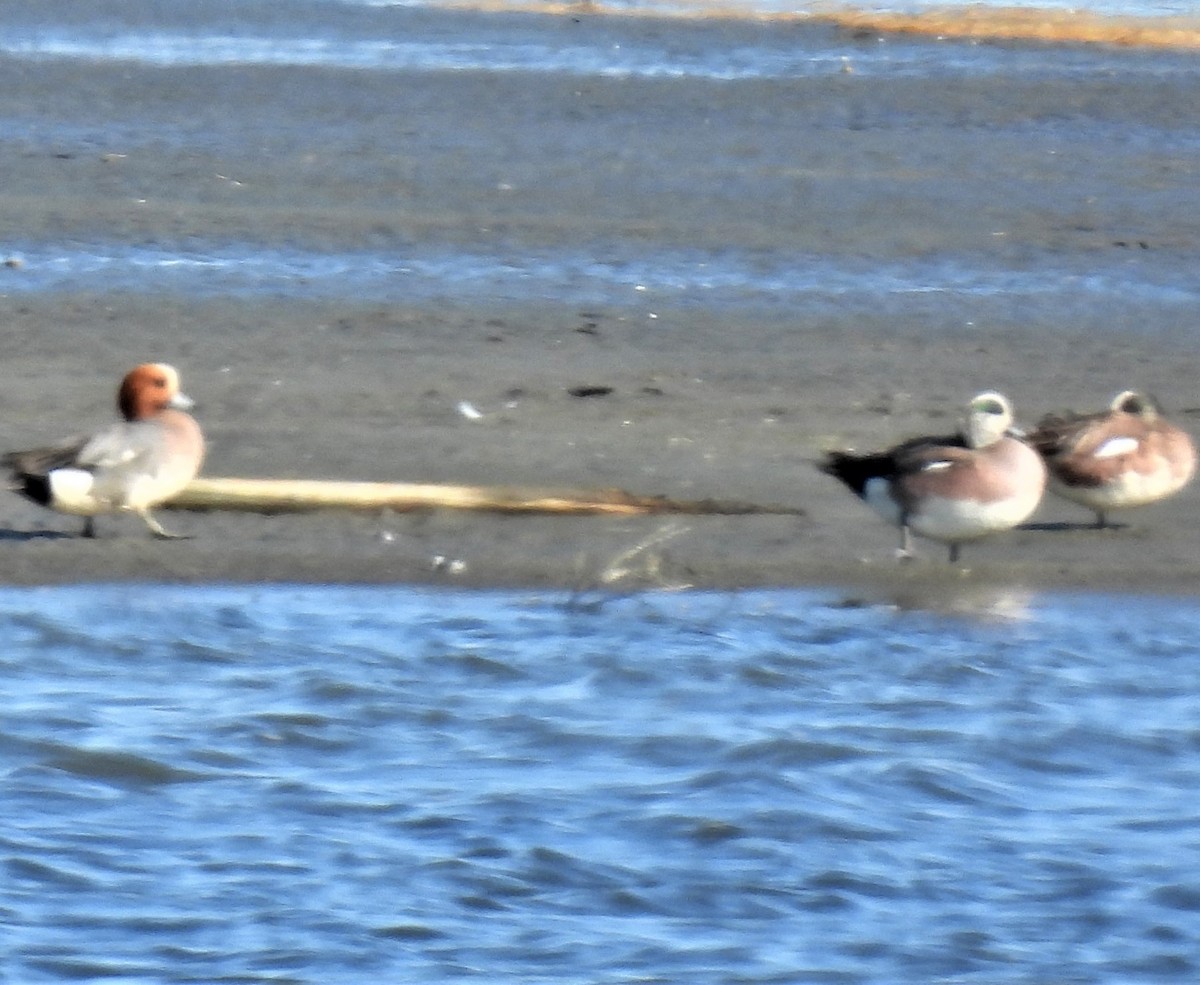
(1129, 455)
(130, 466)
(952, 489)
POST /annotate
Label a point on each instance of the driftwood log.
(299, 495)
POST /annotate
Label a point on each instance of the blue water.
(387, 41)
(345, 785)
(315, 784)
(724, 278)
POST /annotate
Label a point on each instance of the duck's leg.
(905, 552)
(1101, 520)
(89, 527)
(156, 528)
(954, 553)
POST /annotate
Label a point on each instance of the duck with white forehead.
(1129, 455)
(952, 489)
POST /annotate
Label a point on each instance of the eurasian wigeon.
(950, 489)
(1128, 455)
(132, 465)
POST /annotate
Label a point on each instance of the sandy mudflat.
(705, 402)
(342, 399)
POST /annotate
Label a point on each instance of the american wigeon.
(950, 489)
(1128, 455)
(132, 465)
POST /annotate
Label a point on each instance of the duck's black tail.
(855, 471)
(34, 486)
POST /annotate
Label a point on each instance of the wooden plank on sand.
(298, 495)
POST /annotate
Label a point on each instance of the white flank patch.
(71, 491)
(1116, 446)
(877, 495)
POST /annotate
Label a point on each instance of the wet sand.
(343, 391)
(731, 403)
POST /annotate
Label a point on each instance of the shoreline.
(593, 563)
(371, 393)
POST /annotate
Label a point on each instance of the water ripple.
(344, 784)
(667, 278)
(330, 42)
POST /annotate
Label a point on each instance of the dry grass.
(1011, 23)
(966, 21)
